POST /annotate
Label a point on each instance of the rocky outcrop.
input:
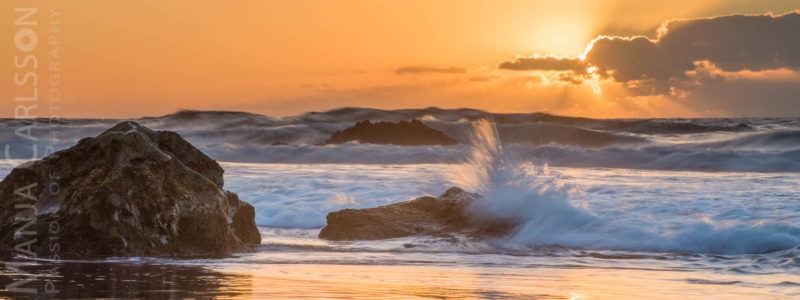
(442, 216)
(403, 133)
(130, 191)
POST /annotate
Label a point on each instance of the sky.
(605, 59)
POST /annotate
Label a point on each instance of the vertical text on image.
(26, 238)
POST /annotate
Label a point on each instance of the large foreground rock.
(442, 216)
(130, 191)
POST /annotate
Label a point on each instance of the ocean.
(610, 209)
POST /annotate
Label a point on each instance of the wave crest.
(530, 197)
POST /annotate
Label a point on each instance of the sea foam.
(528, 195)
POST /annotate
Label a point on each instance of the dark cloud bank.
(657, 66)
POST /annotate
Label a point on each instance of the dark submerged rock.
(413, 133)
(130, 191)
(442, 216)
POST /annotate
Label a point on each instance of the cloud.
(730, 66)
(570, 77)
(746, 96)
(685, 52)
(546, 63)
(421, 69)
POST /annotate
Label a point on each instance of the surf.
(516, 189)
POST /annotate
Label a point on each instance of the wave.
(780, 140)
(673, 158)
(647, 158)
(760, 145)
(352, 114)
(537, 201)
(188, 119)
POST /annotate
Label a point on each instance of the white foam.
(532, 197)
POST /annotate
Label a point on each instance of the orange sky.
(147, 58)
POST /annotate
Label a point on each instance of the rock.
(130, 191)
(403, 133)
(440, 216)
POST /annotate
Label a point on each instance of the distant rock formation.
(130, 191)
(430, 216)
(403, 133)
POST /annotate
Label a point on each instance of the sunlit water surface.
(292, 200)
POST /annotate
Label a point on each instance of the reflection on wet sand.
(119, 280)
(225, 280)
(280, 281)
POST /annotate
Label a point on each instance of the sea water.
(687, 213)
(697, 235)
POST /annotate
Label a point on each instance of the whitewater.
(640, 208)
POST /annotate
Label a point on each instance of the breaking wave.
(527, 195)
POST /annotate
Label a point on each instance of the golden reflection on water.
(426, 282)
(332, 281)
